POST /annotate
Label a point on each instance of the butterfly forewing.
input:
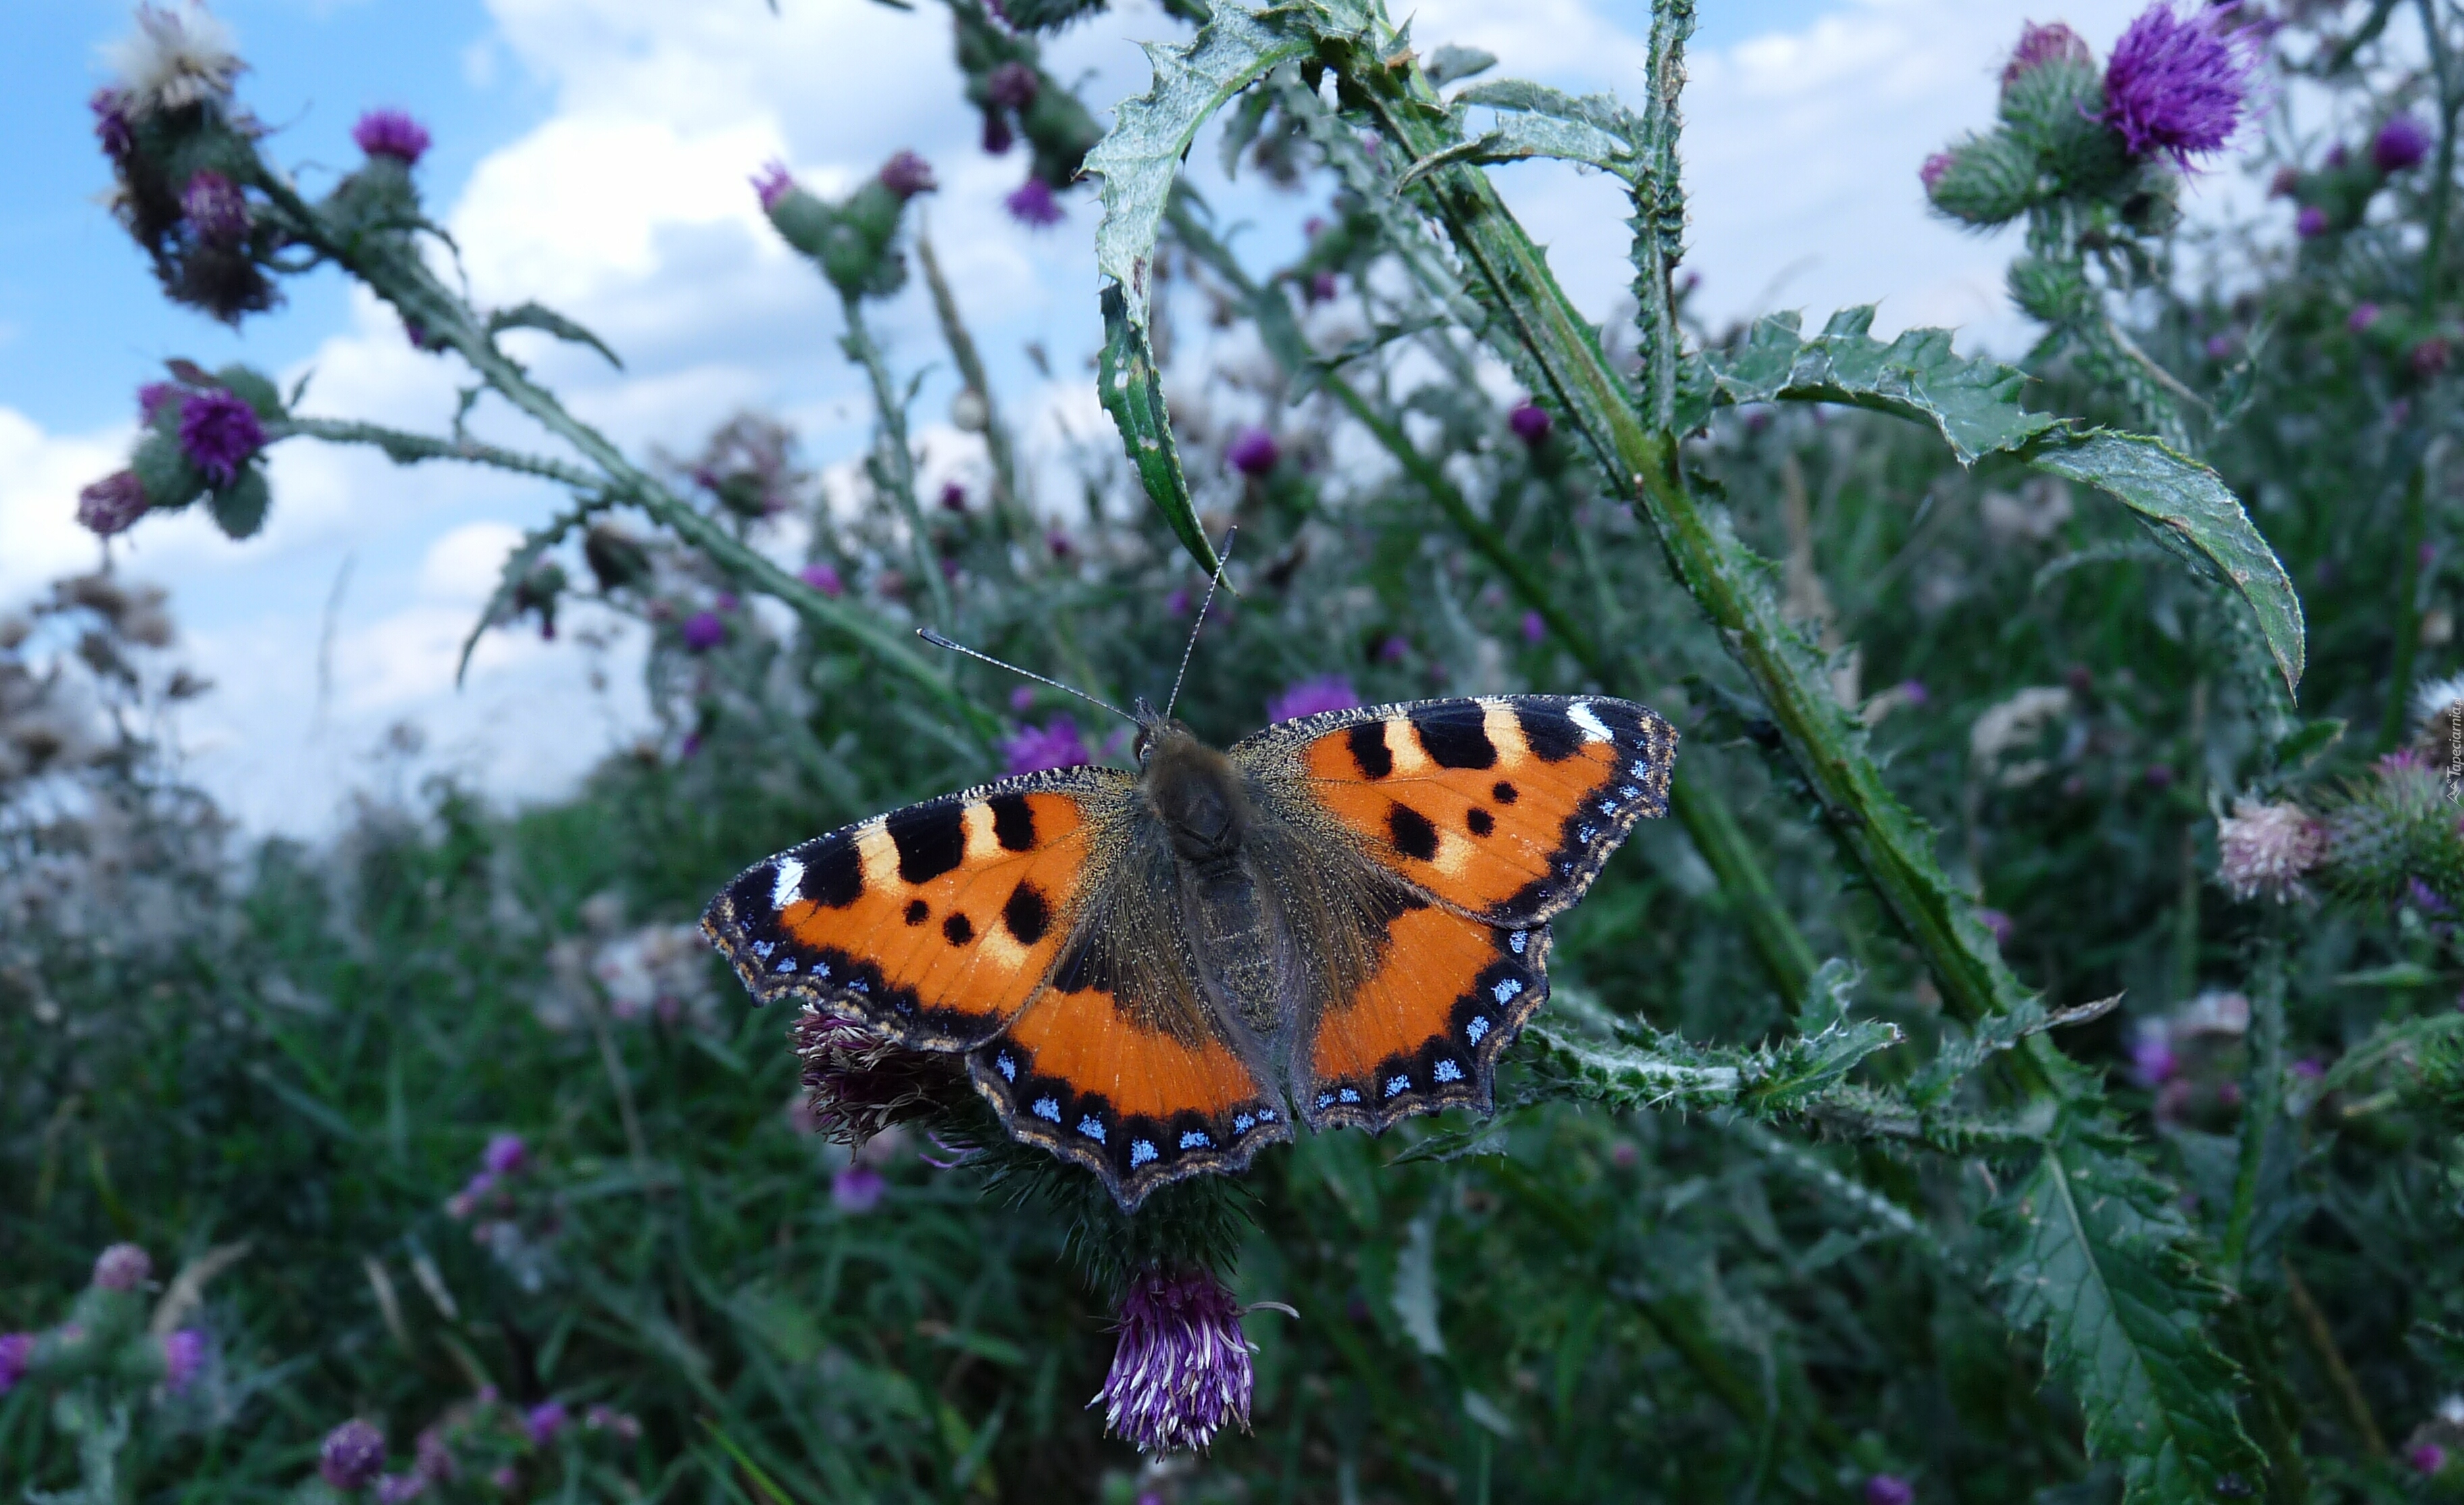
(935, 923)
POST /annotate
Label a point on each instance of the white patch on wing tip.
(1594, 730)
(782, 889)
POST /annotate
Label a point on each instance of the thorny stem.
(1563, 352)
(390, 266)
(1778, 944)
(404, 448)
(1009, 505)
(894, 462)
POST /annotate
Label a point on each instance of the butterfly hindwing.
(1123, 1062)
(933, 924)
(1500, 807)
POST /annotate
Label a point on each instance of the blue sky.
(591, 153)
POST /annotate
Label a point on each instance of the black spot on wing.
(959, 930)
(932, 840)
(833, 877)
(1455, 740)
(1369, 753)
(1481, 822)
(1505, 793)
(1013, 823)
(1027, 914)
(1413, 834)
(918, 912)
(1550, 732)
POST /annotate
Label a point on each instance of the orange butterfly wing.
(1496, 814)
(934, 924)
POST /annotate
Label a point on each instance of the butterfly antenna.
(1222, 557)
(938, 641)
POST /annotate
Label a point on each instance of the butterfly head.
(1193, 788)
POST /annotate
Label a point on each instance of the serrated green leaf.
(1535, 120)
(540, 317)
(1139, 160)
(2191, 512)
(2093, 1251)
(1828, 1043)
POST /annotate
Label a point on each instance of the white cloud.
(462, 567)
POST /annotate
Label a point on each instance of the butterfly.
(1342, 919)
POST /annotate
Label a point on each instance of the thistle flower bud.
(123, 1267)
(1531, 422)
(1182, 1372)
(2266, 850)
(1032, 204)
(543, 1422)
(352, 1456)
(2401, 144)
(2311, 223)
(615, 558)
(391, 133)
(1984, 180)
(857, 1082)
(703, 632)
(823, 577)
(111, 505)
(2038, 46)
(772, 183)
(907, 175)
(218, 432)
(1012, 86)
(506, 1155)
(1253, 453)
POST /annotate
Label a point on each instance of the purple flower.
(111, 123)
(1535, 628)
(953, 497)
(505, 1155)
(400, 1489)
(183, 1356)
(1012, 86)
(2428, 358)
(1056, 745)
(997, 134)
(353, 1455)
(907, 175)
(2363, 316)
(857, 1188)
(1023, 699)
(2426, 1457)
(2220, 347)
(390, 133)
(2177, 85)
(1999, 923)
(1032, 204)
(823, 577)
(1177, 603)
(1531, 422)
(2399, 144)
(1394, 649)
(2426, 898)
(16, 1354)
(1182, 1372)
(219, 431)
(703, 632)
(2265, 849)
(112, 504)
(1889, 1489)
(2152, 1060)
(123, 1267)
(1322, 287)
(1059, 543)
(2038, 45)
(1914, 692)
(1253, 452)
(2309, 1069)
(215, 207)
(1934, 169)
(474, 1191)
(2286, 182)
(2311, 223)
(772, 183)
(543, 1422)
(1310, 696)
(2159, 776)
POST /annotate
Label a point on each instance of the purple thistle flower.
(2153, 1061)
(703, 632)
(184, 1357)
(1395, 649)
(219, 431)
(2311, 223)
(2177, 85)
(2399, 144)
(1056, 745)
(123, 1267)
(16, 1356)
(391, 133)
(506, 1155)
(953, 497)
(2426, 1457)
(2265, 849)
(1059, 543)
(1253, 453)
(1177, 603)
(1999, 923)
(1023, 699)
(1182, 1372)
(1535, 628)
(907, 175)
(2363, 316)
(857, 1189)
(1531, 422)
(823, 577)
(1310, 696)
(215, 207)
(112, 504)
(1934, 169)
(2220, 347)
(1012, 86)
(2038, 45)
(543, 1422)
(1889, 1489)
(462, 1204)
(998, 139)
(400, 1489)
(1032, 204)
(774, 182)
(111, 123)
(1914, 692)
(353, 1455)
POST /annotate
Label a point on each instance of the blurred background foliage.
(288, 1072)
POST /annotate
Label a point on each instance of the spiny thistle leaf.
(1139, 161)
(539, 316)
(2094, 1251)
(1535, 120)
